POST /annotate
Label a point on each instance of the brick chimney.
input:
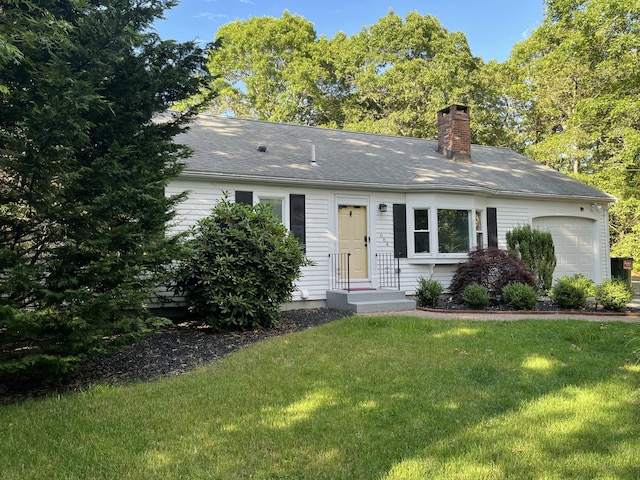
(454, 133)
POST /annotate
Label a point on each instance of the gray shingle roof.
(228, 147)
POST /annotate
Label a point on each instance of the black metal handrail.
(388, 270)
(340, 271)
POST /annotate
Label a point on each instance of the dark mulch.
(173, 351)
(182, 347)
(545, 304)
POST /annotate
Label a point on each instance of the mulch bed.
(544, 305)
(172, 351)
(183, 346)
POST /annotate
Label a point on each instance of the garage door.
(574, 242)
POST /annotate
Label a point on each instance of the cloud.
(214, 17)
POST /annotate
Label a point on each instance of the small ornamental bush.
(572, 292)
(583, 282)
(520, 296)
(476, 296)
(492, 268)
(428, 292)
(242, 266)
(535, 248)
(614, 294)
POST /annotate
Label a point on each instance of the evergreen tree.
(535, 248)
(84, 159)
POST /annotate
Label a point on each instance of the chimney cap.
(456, 108)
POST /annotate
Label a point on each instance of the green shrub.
(583, 282)
(428, 292)
(476, 296)
(614, 294)
(243, 265)
(520, 296)
(572, 292)
(535, 248)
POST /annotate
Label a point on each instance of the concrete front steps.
(369, 301)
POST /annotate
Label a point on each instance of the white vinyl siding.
(320, 225)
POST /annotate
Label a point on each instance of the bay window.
(453, 231)
(421, 236)
(445, 232)
(479, 230)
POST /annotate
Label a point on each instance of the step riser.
(370, 301)
(370, 295)
(384, 307)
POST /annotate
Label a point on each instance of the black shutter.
(244, 197)
(492, 227)
(399, 230)
(297, 217)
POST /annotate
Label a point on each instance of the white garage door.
(575, 244)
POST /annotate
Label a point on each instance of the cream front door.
(352, 238)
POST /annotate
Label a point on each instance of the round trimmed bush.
(428, 292)
(520, 296)
(614, 294)
(571, 292)
(476, 296)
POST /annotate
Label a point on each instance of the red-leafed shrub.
(492, 268)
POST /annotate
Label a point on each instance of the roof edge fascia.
(391, 187)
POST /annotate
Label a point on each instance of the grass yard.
(362, 398)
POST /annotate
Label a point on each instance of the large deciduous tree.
(579, 93)
(269, 68)
(84, 160)
(401, 72)
(391, 77)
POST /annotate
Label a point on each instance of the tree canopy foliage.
(83, 165)
(579, 92)
(568, 96)
(389, 78)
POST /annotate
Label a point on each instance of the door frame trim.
(356, 201)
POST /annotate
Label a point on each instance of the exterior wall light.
(382, 207)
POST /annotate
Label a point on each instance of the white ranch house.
(393, 208)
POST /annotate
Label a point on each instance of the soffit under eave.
(359, 186)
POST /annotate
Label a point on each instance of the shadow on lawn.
(508, 400)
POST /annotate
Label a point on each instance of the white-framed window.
(454, 231)
(421, 231)
(276, 204)
(479, 229)
(444, 232)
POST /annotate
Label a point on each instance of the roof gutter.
(390, 187)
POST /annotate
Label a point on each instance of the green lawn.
(361, 398)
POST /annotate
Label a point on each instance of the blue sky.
(492, 27)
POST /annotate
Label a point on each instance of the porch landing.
(369, 301)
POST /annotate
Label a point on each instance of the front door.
(352, 238)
